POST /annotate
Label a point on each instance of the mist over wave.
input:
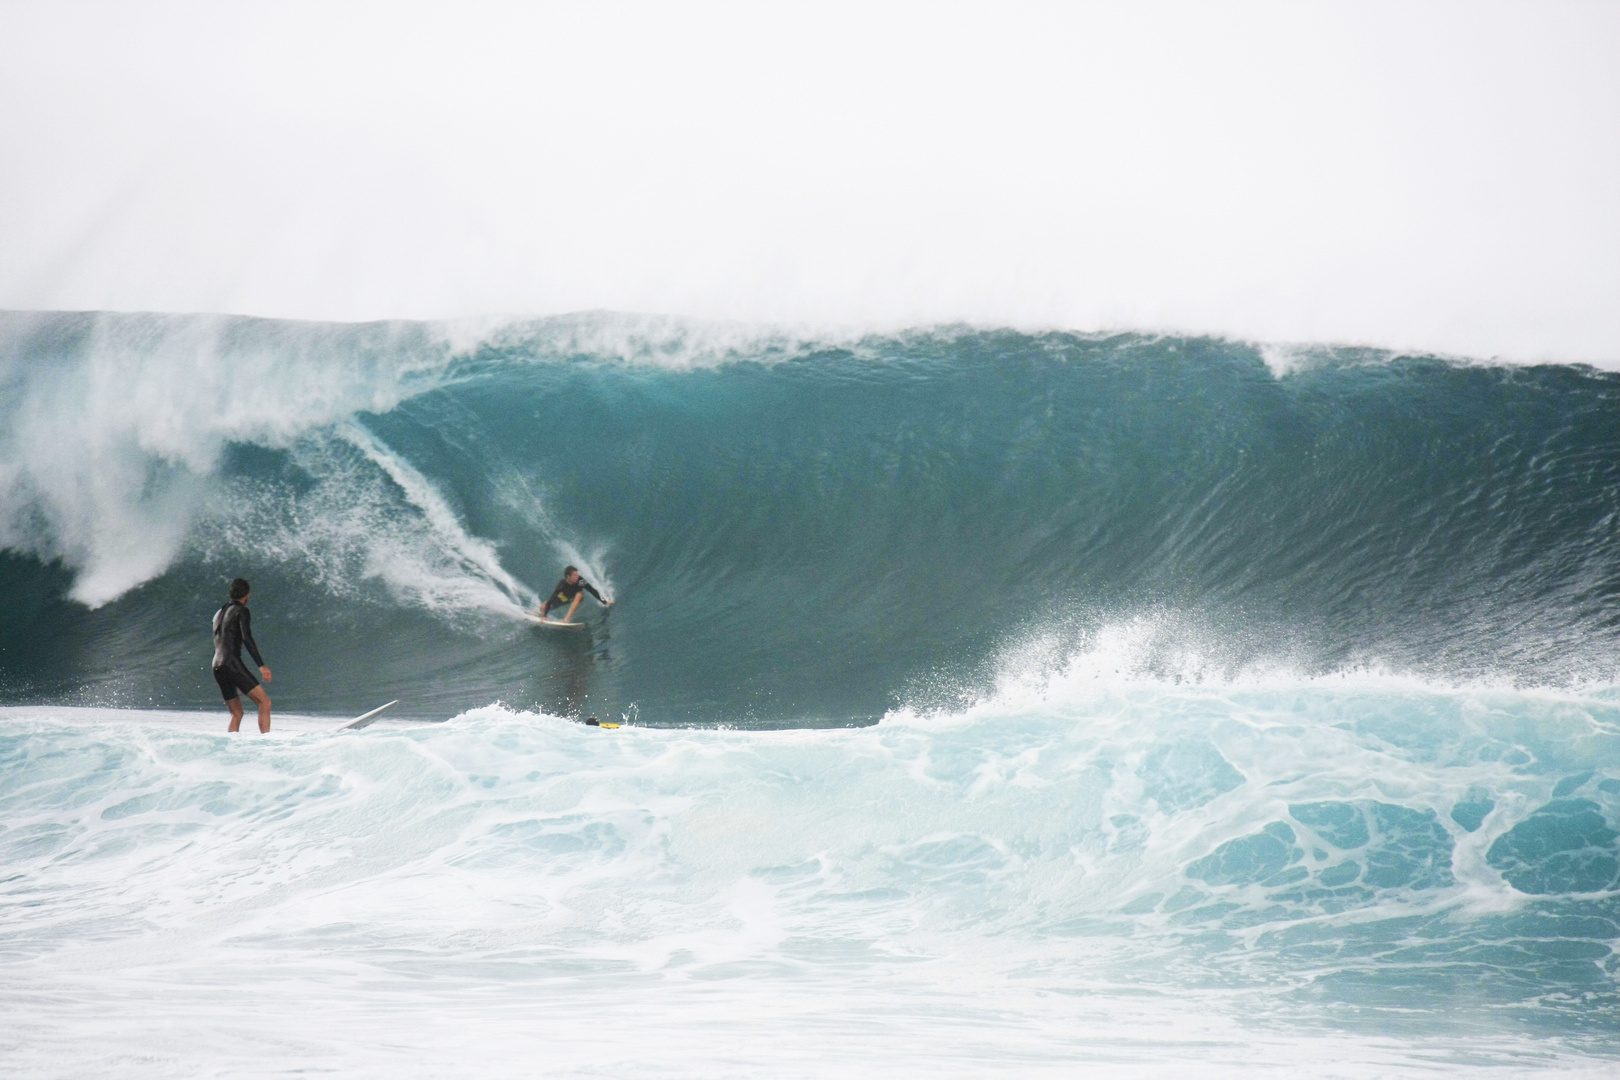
(1437, 177)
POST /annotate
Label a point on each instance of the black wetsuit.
(564, 594)
(233, 628)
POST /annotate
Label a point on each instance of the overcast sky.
(1442, 176)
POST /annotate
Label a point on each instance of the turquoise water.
(996, 703)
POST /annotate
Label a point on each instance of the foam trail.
(516, 493)
(477, 556)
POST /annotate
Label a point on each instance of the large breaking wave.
(801, 529)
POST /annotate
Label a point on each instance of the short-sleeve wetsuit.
(233, 628)
(564, 594)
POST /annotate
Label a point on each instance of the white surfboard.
(554, 623)
(362, 721)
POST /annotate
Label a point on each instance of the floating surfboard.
(554, 623)
(362, 721)
(594, 722)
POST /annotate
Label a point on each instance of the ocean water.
(995, 704)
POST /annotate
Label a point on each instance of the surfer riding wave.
(569, 591)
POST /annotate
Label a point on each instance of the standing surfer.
(232, 630)
(568, 592)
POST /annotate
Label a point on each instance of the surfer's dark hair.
(239, 588)
(570, 570)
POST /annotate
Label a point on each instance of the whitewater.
(995, 703)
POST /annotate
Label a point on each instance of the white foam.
(474, 557)
(641, 340)
(1167, 652)
(109, 451)
(513, 889)
(282, 725)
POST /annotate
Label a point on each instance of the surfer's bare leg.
(235, 705)
(573, 607)
(258, 695)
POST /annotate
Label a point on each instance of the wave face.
(799, 531)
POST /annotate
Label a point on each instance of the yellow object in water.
(608, 725)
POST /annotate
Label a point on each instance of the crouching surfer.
(568, 591)
(232, 630)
